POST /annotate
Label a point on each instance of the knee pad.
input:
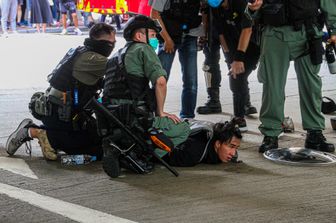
(207, 75)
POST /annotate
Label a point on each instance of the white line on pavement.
(17, 166)
(73, 211)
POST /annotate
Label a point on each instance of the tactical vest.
(118, 84)
(67, 93)
(181, 16)
(61, 77)
(289, 12)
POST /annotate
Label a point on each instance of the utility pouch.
(64, 111)
(64, 106)
(316, 51)
(274, 14)
(39, 105)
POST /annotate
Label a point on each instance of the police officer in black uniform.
(75, 80)
(240, 49)
(212, 72)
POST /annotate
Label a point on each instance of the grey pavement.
(255, 191)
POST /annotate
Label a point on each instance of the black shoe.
(111, 164)
(241, 122)
(210, 107)
(316, 140)
(213, 105)
(269, 142)
(249, 110)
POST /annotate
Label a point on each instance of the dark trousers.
(238, 86)
(212, 56)
(240, 92)
(62, 136)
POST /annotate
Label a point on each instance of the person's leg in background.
(54, 12)
(5, 6)
(240, 94)
(23, 16)
(88, 19)
(19, 12)
(188, 61)
(28, 12)
(117, 21)
(63, 12)
(74, 18)
(103, 18)
(213, 77)
(12, 14)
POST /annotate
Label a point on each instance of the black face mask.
(102, 47)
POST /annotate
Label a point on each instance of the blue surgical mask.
(153, 42)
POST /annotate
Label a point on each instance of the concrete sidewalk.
(254, 191)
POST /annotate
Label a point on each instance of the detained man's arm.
(237, 67)
(168, 42)
(160, 94)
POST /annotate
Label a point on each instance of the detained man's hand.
(237, 67)
(171, 116)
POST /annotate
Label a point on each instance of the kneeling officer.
(127, 87)
(74, 81)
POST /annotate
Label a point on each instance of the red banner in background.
(115, 6)
(139, 7)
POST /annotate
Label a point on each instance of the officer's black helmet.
(140, 22)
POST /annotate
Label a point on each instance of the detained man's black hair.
(101, 29)
(224, 131)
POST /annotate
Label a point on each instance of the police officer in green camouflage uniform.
(127, 79)
(292, 32)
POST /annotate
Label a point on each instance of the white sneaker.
(78, 32)
(5, 34)
(64, 32)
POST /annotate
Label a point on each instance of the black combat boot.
(213, 104)
(315, 140)
(249, 108)
(269, 142)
